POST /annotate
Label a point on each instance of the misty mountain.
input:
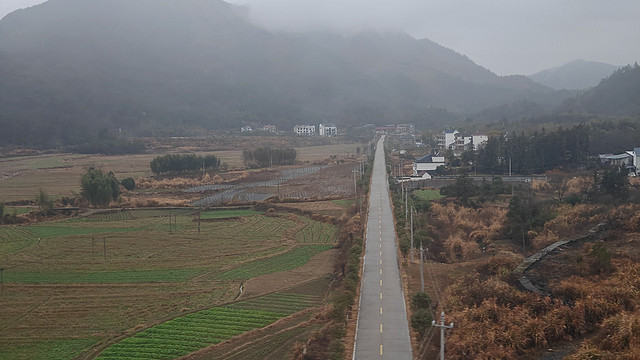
(616, 95)
(74, 69)
(578, 74)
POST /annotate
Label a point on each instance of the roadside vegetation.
(478, 232)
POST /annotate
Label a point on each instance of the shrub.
(45, 203)
(420, 300)
(128, 183)
(421, 321)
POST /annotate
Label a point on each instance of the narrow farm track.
(382, 330)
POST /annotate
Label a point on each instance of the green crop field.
(283, 262)
(344, 202)
(70, 285)
(223, 214)
(186, 334)
(317, 232)
(428, 194)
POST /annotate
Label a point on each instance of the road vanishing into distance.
(382, 330)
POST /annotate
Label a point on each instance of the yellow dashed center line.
(380, 349)
(381, 328)
(380, 310)
(380, 282)
(380, 296)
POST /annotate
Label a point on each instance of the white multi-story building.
(305, 130)
(453, 139)
(327, 130)
(447, 139)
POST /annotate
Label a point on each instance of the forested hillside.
(140, 67)
(618, 95)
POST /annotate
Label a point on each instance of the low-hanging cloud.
(504, 35)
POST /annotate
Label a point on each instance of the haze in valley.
(506, 37)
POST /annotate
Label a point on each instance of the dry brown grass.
(579, 184)
(514, 323)
(460, 233)
(570, 222)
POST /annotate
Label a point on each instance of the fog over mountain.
(578, 74)
(167, 67)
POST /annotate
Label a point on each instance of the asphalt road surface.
(383, 330)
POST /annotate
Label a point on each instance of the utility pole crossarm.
(442, 326)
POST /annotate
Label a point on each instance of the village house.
(426, 165)
(327, 130)
(454, 140)
(305, 130)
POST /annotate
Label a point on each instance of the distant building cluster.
(454, 140)
(310, 130)
(629, 159)
(267, 128)
(400, 129)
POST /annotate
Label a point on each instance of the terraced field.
(72, 285)
(186, 334)
(317, 232)
(283, 262)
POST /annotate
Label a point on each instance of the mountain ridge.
(575, 75)
(157, 67)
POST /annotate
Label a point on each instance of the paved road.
(383, 330)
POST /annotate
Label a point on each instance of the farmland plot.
(186, 334)
(71, 284)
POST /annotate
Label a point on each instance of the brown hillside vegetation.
(460, 233)
(595, 291)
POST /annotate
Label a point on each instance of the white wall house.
(305, 130)
(479, 140)
(447, 138)
(327, 130)
(453, 139)
(426, 164)
(635, 157)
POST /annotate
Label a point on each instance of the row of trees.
(535, 153)
(183, 163)
(267, 156)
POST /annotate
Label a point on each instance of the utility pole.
(412, 235)
(406, 205)
(421, 267)
(442, 326)
(355, 188)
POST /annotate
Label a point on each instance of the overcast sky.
(505, 36)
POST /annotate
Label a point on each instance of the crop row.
(265, 349)
(317, 232)
(183, 335)
(222, 214)
(287, 261)
(264, 227)
(128, 276)
(280, 302)
(15, 234)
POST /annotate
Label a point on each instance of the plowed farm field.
(74, 287)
